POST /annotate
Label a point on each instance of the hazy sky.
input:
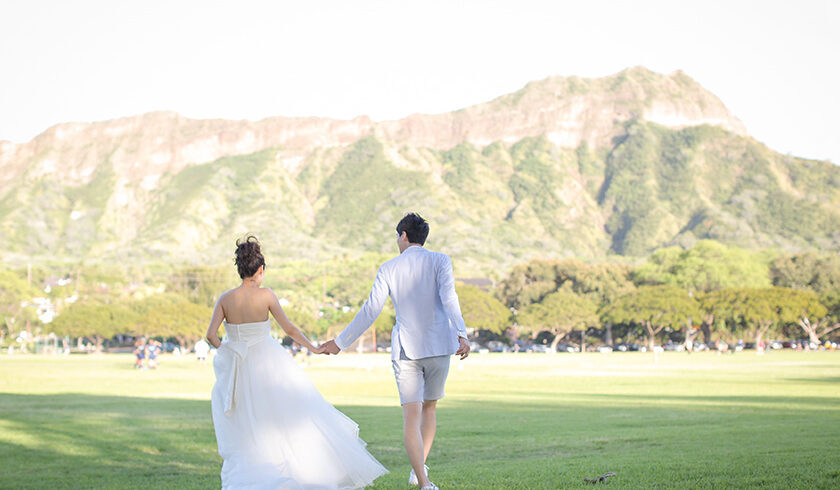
(773, 63)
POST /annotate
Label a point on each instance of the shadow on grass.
(738, 401)
(78, 440)
(826, 380)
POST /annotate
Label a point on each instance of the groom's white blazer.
(422, 288)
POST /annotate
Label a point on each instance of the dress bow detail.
(239, 350)
(231, 354)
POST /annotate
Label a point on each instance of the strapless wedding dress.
(273, 427)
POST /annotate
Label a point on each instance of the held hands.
(317, 350)
(463, 349)
(329, 347)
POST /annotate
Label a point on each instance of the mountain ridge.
(508, 118)
(564, 166)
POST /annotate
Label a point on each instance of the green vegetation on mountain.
(565, 167)
(363, 186)
(664, 186)
(232, 180)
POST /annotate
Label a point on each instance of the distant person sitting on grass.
(140, 354)
(153, 349)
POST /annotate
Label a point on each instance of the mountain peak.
(567, 110)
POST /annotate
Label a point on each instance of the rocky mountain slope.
(565, 166)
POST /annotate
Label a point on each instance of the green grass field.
(509, 420)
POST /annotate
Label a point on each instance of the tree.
(531, 282)
(816, 272)
(305, 321)
(348, 281)
(560, 312)
(708, 266)
(600, 283)
(743, 311)
(528, 283)
(756, 311)
(95, 320)
(481, 310)
(202, 285)
(713, 306)
(186, 322)
(654, 307)
(171, 315)
(14, 293)
(830, 302)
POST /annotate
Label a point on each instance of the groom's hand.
(330, 347)
(464, 348)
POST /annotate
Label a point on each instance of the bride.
(273, 427)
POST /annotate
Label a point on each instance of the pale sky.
(774, 64)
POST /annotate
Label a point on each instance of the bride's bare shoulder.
(227, 294)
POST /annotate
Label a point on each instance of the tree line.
(709, 292)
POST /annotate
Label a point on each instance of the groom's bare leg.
(414, 440)
(428, 426)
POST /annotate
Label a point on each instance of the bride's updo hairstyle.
(248, 256)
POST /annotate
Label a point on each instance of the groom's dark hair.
(415, 227)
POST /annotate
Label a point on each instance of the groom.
(429, 329)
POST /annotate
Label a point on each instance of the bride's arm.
(289, 327)
(215, 322)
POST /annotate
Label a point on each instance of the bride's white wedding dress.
(273, 427)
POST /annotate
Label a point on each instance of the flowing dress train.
(273, 427)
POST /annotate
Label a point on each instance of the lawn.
(509, 420)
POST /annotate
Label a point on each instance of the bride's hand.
(318, 350)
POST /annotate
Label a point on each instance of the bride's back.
(249, 303)
(245, 305)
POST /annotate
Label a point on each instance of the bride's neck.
(249, 283)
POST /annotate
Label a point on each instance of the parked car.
(567, 348)
(604, 349)
(169, 347)
(496, 346)
(627, 347)
(807, 344)
(538, 348)
(674, 347)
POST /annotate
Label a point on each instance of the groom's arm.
(367, 315)
(448, 296)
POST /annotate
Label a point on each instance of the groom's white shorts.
(421, 379)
